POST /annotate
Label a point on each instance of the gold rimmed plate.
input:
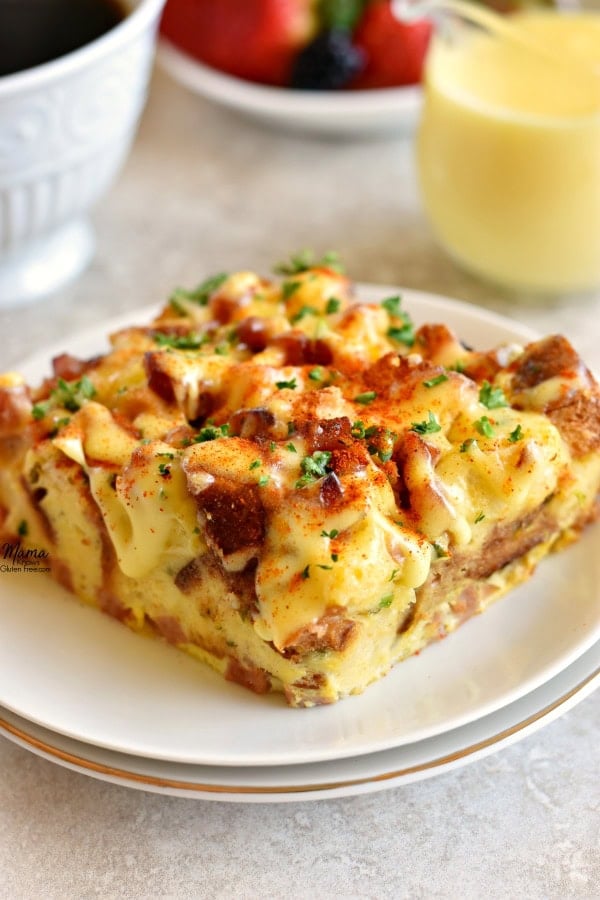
(77, 673)
(341, 778)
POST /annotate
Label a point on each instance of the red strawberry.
(394, 50)
(252, 39)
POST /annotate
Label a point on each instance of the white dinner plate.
(68, 668)
(326, 780)
(369, 113)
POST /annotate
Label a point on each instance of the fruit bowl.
(364, 114)
(333, 67)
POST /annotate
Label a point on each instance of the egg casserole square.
(297, 487)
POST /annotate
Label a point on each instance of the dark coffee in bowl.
(33, 32)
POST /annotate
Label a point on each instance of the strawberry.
(394, 50)
(252, 39)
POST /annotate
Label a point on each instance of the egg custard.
(294, 486)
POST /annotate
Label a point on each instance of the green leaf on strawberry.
(340, 14)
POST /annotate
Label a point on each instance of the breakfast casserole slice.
(294, 486)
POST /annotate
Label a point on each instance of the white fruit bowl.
(65, 130)
(330, 114)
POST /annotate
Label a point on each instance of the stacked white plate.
(81, 690)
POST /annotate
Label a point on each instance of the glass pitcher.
(508, 148)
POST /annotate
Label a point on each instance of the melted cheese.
(302, 572)
(493, 478)
(150, 516)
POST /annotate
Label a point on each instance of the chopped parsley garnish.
(365, 398)
(314, 467)
(289, 287)
(384, 603)
(459, 366)
(69, 395)
(516, 435)
(222, 349)
(393, 305)
(479, 518)
(211, 433)
(393, 575)
(191, 341)
(164, 469)
(467, 444)
(255, 464)
(200, 294)
(290, 385)
(331, 260)
(298, 262)
(439, 551)
(305, 260)
(305, 573)
(22, 528)
(272, 446)
(333, 305)
(291, 428)
(73, 395)
(484, 426)
(291, 448)
(263, 480)
(330, 534)
(432, 382)
(492, 397)
(403, 335)
(304, 311)
(335, 557)
(316, 374)
(327, 568)
(383, 445)
(39, 411)
(428, 426)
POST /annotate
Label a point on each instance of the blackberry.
(330, 61)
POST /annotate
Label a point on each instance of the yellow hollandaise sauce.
(509, 150)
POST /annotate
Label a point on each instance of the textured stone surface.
(205, 191)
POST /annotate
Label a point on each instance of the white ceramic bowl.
(65, 130)
(329, 114)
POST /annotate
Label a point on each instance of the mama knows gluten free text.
(16, 553)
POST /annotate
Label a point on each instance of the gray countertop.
(205, 190)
